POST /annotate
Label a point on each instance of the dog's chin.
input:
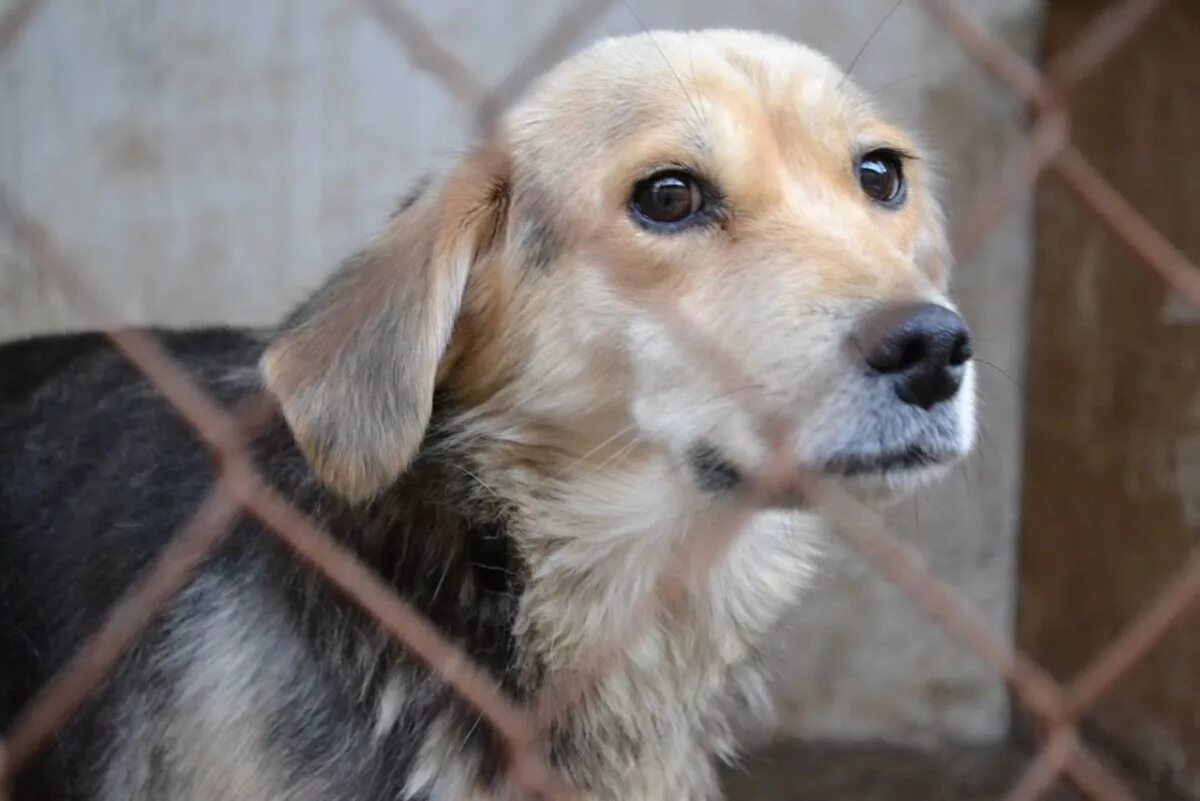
(877, 477)
(890, 478)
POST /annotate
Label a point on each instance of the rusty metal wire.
(1050, 147)
(239, 490)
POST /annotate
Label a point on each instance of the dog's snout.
(923, 349)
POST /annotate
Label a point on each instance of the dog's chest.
(672, 645)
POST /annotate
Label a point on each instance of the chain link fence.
(240, 490)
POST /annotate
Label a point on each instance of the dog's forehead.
(694, 85)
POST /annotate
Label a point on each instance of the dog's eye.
(667, 197)
(881, 176)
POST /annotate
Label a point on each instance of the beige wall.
(207, 162)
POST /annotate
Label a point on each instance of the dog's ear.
(354, 368)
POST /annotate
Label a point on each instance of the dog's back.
(84, 443)
(257, 673)
(96, 472)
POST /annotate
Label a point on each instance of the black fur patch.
(539, 244)
(713, 473)
(98, 472)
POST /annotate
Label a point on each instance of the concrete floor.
(833, 772)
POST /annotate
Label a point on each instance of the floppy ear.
(354, 368)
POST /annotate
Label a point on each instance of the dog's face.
(674, 232)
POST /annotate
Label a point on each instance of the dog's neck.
(595, 581)
(636, 584)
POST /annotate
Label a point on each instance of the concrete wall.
(208, 162)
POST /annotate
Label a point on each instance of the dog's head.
(734, 179)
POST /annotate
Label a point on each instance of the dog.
(492, 406)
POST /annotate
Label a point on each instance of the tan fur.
(588, 400)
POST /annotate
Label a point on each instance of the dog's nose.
(923, 349)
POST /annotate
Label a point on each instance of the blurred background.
(212, 162)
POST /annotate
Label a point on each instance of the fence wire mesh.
(240, 490)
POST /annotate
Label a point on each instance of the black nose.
(923, 349)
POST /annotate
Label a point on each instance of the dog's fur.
(489, 406)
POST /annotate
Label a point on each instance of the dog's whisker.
(467, 737)
(478, 481)
(698, 117)
(437, 589)
(621, 453)
(874, 32)
(1016, 385)
(632, 427)
(911, 76)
